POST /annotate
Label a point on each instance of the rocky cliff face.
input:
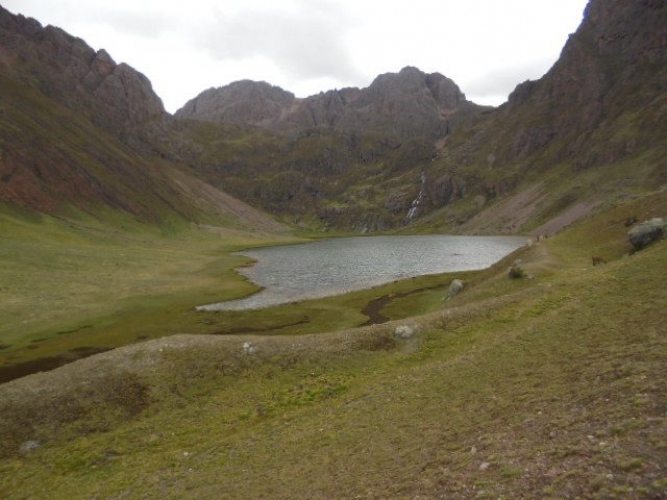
(66, 69)
(615, 61)
(78, 132)
(245, 101)
(408, 103)
(589, 132)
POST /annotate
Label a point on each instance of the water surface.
(341, 265)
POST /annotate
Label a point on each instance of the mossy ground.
(546, 388)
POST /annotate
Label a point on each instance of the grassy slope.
(317, 178)
(115, 260)
(52, 158)
(75, 283)
(549, 388)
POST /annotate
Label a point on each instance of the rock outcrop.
(405, 104)
(245, 101)
(615, 60)
(648, 232)
(454, 289)
(79, 132)
(66, 69)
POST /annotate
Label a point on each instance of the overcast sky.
(306, 46)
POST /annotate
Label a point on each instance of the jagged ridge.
(406, 104)
(586, 133)
(67, 70)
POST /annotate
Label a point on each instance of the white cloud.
(305, 42)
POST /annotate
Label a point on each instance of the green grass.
(78, 282)
(545, 388)
(75, 284)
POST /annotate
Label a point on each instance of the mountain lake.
(341, 265)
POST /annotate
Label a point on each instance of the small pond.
(340, 265)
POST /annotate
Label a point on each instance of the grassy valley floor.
(553, 387)
(73, 286)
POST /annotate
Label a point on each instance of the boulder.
(249, 348)
(454, 289)
(29, 446)
(647, 232)
(405, 332)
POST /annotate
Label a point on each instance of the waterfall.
(415, 203)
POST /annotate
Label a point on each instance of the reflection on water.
(340, 265)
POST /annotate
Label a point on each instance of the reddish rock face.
(616, 59)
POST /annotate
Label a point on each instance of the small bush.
(516, 272)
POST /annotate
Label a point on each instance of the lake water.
(341, 265)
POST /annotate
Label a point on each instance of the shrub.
(516, 272)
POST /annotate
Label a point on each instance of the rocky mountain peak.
(411, 81)
(66, 69)
(245, 101)
(406, 103)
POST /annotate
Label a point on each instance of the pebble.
(30, 446)
(404, 331)
(249, 348)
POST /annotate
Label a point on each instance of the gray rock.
(249, 348)
(446, 189)
(454, 289)
(30, 446)
(244, 101)
(405, 332)
(647, 232)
